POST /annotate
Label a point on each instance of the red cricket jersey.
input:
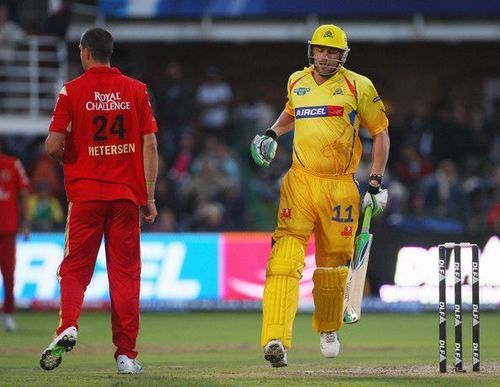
(104, 115)
(12, 179)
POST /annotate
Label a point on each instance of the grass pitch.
(222, 349)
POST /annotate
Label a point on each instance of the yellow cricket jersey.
(328, 117)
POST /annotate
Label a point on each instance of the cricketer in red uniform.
(13, 197)
(103, 131)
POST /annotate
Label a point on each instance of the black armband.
(377, 178)
(271, 133)
(374, 188)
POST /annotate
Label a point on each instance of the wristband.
(271, 133)
(150, 183)
(373, 190)
(151, 200)
(377, 178)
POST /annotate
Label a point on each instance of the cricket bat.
(357, 271)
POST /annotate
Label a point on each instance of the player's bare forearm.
(54, 145)
(150, 156)
(150, 160)
(380, 152)
(283, 124)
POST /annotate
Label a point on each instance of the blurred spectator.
(418, 131)
(207, 185)
(443, 195)
(45, 211)
(214, 96)
(477, 139)
(227, 163)
(235, 217)
(182, 162)
(251, 117)
(450, 133)
(22, 147)
(166, 193)
(209, 217)
(493, 215)
(174, 106)
(411, 168)
(11, 34)
(47, 171)
(58, 21)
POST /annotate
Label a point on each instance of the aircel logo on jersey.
(107, 102)
(319, 111)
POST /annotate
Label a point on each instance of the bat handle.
(367, 219)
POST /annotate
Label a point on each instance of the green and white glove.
(263, 148)
(375, 197)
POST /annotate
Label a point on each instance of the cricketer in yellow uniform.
(327, 104)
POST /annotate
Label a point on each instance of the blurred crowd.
(443, 173)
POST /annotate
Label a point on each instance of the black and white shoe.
(52, 355)
(275, 353)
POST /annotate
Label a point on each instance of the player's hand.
(263, 148)
(149, 213)
(376, 198)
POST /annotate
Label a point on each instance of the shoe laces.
(329, 337)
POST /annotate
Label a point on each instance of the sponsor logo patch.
(319, 111)
(338, 91)
(347, 231)
(302, 90)
(286, 213)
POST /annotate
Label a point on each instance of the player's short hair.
(99, 42)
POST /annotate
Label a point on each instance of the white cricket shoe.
(52, 355)
(126, 365)
(329, 344)
(9, 324)
(275, 353)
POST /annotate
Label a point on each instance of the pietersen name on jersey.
(108, 150)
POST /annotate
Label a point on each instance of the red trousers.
(87, 222)
(7, 266)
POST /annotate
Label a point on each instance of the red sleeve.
(147, 119)
(62, 115)
(22, 178)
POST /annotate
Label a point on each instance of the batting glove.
(263, 148)
(376, 198)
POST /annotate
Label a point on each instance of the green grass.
(221, 349)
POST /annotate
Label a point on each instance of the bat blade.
(357, 274)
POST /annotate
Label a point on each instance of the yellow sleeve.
(288, 105)
(32, 201)
(57, 211)
(371, 109)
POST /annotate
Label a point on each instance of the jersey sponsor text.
(319, 111)
(107, 102)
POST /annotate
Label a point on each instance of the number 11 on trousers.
(357, 272)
